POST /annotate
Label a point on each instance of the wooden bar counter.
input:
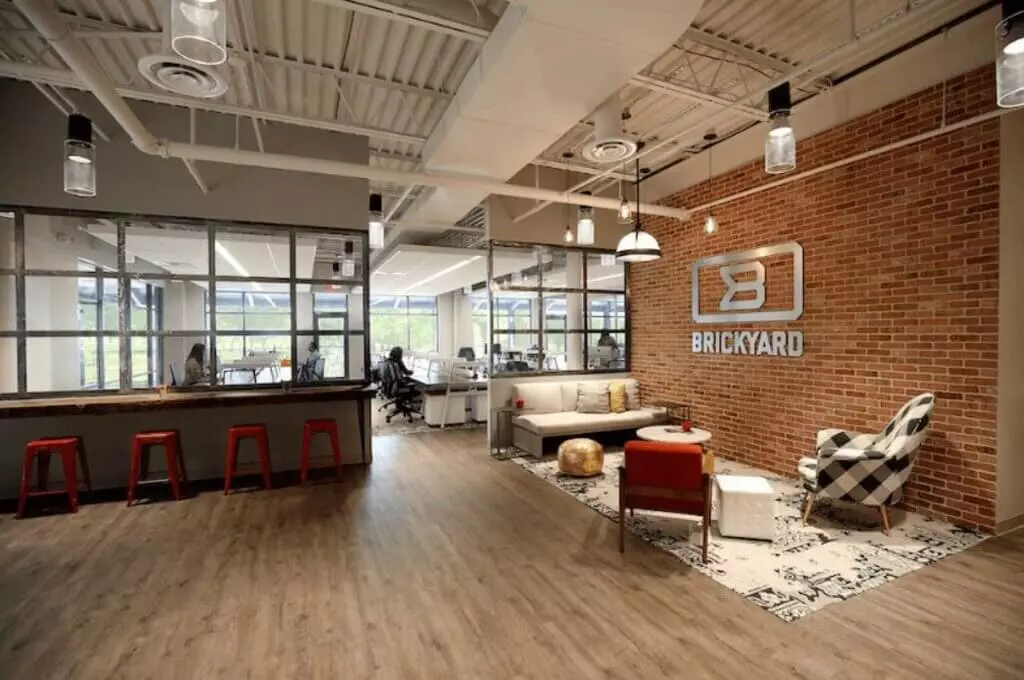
(108, 424)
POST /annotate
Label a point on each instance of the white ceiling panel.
(424, 270)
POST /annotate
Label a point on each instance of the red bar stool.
(40, 450)
(320, 426)
(235, 435)
(171, 441)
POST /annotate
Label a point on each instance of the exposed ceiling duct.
(51, 25)
(610, 144)
(545, 67)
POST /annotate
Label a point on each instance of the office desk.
(466, 400)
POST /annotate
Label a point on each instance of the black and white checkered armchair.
(868, 468)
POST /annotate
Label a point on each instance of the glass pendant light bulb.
(79, 158)
(625, 214)
(710, 224)
(1010, 56)
(376, 221)
(585, 230)
(780, 142)
(567, 236)
(199, 30)
(585, 224)
(348, 265)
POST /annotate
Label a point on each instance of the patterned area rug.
(841, 553)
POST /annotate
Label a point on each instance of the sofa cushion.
(593, 397)
(540, 397)
(617, 402)
(632, 394)
(570, 395)
(571, 422)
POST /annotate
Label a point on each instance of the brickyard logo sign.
(745, 275)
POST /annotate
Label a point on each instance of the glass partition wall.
(556, 310)
(94, 302)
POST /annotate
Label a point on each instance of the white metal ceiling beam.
(575, 167)
(754, 56)
(61, 78)
(413, 17)
(95, 28)
(690, 94)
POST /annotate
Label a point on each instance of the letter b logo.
(729, 302)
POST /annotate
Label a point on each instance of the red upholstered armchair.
(665, 478)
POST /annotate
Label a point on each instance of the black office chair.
(312, 372)
(467, 353)
(174, 374)
(400, 397)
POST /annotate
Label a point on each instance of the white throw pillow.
(540, 397)
(592, 397)
(632, 395)
(569, 396)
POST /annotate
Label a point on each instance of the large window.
(409, 322)
(557, 310)
(99, 302)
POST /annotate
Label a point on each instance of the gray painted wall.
(32, 134)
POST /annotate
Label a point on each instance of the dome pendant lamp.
(637, 245)
(1010, 56)
(780, 144)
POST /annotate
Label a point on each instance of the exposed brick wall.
(900, 297)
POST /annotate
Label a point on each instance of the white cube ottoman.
(746, 507)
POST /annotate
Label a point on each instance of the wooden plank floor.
(441, 563)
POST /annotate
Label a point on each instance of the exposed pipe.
(839, 55)
(863, 156)
(81, 62)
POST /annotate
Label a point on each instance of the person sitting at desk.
(395, 387)
(395, 355)
(312, 368)
(606, 340)
(195, 368)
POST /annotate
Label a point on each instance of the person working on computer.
(195, 365)
(606, 340)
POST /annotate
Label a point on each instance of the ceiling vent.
(610, 144)
(180, 76)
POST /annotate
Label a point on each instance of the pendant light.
(1010, 55)
(348, 265)
(710, 224)
(79, 158)
(637, 245)
(780, 144)
(567, 236)
(199, 30)
(376, 223)
(625, 212)
(585, 224)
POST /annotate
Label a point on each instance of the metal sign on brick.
(747, 309)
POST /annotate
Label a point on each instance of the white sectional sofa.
(551, 412)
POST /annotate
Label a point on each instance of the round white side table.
(673, 434)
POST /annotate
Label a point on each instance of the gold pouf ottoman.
(580, 458)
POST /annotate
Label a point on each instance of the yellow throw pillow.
(617, 397)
